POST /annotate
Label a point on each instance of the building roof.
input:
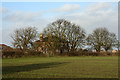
(3, 45)
(43, 40)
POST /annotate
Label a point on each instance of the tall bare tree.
(101, 38)
(23, 38)
(69, 35)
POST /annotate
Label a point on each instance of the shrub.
(20, 53)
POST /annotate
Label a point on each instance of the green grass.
(60, 67)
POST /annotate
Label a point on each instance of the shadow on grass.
(29, 67)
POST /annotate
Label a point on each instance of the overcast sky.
(38, 14)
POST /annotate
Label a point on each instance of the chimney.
(41, 37)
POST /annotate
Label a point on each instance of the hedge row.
(8, 54)
(19, 53)
(92, 54)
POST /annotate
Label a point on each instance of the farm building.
(5, 47)
(42, 45)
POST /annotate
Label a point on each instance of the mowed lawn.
(60, 67)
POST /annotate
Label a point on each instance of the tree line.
(62, 34)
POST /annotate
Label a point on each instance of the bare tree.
(75, 36)
(109, 41)
(68, 35)
(23, 38)
(101, 38)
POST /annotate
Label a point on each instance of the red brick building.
(5, 47)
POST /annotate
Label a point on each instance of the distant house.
(41, 45)
(114, 51)
(5, 47)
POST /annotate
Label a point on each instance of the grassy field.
(60, 67)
